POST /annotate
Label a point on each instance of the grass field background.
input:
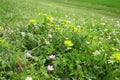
(59, 40)
(14, 10)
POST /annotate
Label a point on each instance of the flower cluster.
(57, 46)
(51, 67)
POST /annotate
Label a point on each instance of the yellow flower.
(68, 43)
(75, 29)
(116, 56)
(50, 19)
(1, 28)
(32, 21)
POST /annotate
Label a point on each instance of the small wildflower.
(50, 68)
(87, 42)
(23, 33)
(28, 54)
(89, 79)
(96, 52)
(116, 56)
(78, 26)
(11, 31)
(68, 43)
(68, 48)
(32, 21)
(47, 42)
(106, 30)
(110, 61)
(50, 19)
(28, 78)
(49, 35)
(44, 14)
(48, 24)
(52, 57)
(75, 29)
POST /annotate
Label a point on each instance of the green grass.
(12, 11)
(83, 36)
(104, 7)
(109, 3)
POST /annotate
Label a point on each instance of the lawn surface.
(12, 11)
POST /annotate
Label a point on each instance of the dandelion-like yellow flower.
(68, 43)
(116, 56)
(32, 21)
(75, 29)
(50, 19)
(1, 28)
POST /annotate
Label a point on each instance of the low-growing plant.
(56, 49)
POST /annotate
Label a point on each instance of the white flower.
(49, 35)
(110, 62)
(52, 57)
(28, 78)
(28, 54)
(87, 42)
(106, 30)
(78, 26)
(47, 42)
(50, 68)
(109, 37)
(96, 52)
(23, 33)
(89, 79)
(11, 31)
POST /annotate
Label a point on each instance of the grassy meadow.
(59, 40)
